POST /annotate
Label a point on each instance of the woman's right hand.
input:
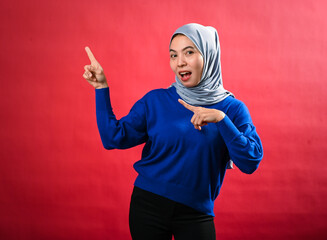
(94, 72)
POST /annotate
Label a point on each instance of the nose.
(181, 61)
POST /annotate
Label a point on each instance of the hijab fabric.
(210, 90)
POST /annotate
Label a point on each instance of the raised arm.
(127, 132)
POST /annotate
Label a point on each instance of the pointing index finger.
(90, 55)
(186, 105)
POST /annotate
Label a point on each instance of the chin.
(189, 84)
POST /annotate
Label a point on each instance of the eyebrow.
(182, 49)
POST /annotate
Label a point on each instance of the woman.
(191, 130)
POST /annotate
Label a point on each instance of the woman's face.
(186, 61)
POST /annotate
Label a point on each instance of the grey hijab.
(210, 90)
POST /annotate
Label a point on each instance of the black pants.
(153, 217)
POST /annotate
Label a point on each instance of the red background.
(57, 182)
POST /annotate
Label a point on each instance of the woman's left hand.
(202, 116)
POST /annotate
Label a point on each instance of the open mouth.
(185, 75)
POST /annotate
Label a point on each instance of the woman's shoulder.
(158, 93)
(236, 109)
(233, 102)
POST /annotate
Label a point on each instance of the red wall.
(57, 182)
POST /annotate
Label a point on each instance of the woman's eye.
(173, 56)
(189, 52)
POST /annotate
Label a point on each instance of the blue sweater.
(179, 162)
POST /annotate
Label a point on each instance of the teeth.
(183, 73)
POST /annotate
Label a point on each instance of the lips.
(184, 75)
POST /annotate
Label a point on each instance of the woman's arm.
(124, 133)
(127, 132)
(242, 141)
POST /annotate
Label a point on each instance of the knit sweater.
(178, 161)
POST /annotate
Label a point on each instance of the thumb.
(96, 70)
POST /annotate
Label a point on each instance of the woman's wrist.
(104, 85)
(220, 116)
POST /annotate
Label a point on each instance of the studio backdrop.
(58, 182)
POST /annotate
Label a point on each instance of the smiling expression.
(186, 61)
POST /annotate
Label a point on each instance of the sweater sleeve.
(127, 132)
(242, 141)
